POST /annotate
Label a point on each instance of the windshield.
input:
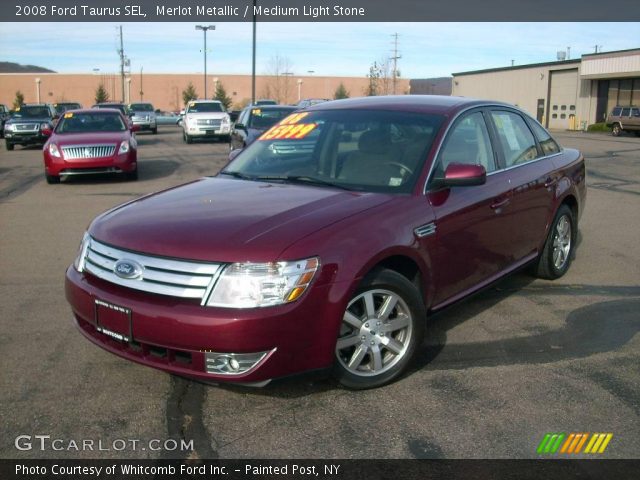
(90, 122)
(35, 111)
(264, 118)
(367, 150)
(195, 107)
(141, 107)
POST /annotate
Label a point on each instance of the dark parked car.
(62, 107)
(329, 241)
(4, 115)
(252, 121)
(87, 142)
(29, 124)
(118, 106)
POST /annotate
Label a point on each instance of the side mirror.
(463, 175)
(240, 126)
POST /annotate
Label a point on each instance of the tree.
(341, 92)
(101, 94)
(380, 78)
(19, 100)
(279, 83)
(189, 93)
(221, 94)
(374, 78)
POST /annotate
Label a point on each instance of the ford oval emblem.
(127, 269)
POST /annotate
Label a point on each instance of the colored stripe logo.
(573, 443)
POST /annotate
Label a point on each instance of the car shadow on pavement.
(596, 328)
(148, 169)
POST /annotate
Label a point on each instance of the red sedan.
(329, 241)
(89, 142)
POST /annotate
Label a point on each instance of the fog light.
(233, 363)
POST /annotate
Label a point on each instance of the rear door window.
(516, 140)
(548, 144)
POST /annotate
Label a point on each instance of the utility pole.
(253, 58)
(204, 28)
(598, 47)
(121, 53)
(395, 59)
(141, 92)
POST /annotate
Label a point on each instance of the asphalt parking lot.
(498, 372)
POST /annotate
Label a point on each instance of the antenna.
(395, 59)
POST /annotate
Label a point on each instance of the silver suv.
(144, 116)
(624, 118)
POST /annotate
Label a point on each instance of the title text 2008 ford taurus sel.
(329, 240)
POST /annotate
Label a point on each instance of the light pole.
(38, 89)
(204, 28)
(215, 85)
(128, 90)
(299, 89)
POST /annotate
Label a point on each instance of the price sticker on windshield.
(289, 128)
(68, 115)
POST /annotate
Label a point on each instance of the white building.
(567, 94)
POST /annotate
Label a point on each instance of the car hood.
(89, 138)
(227, 220)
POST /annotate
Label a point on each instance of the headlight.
(226, 120)
(124, 147)
(9, 127)
(249, 285)
(78, 263)
(54, 151)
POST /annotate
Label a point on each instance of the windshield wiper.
(300, 179)
(237, 175)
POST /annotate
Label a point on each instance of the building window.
(555, 115)
(572, 107)
(563, 116)
(563, 107)
(555, 107)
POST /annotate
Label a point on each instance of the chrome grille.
(209, 122)
(88, 151)
(27, 127)
(176, 278)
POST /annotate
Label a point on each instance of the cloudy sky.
(337, 49)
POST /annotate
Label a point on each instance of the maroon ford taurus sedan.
(329, 241)
(88, 142)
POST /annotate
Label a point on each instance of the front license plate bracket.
(113, 320)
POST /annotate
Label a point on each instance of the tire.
(9, 145)
(133, 176)
(616, 130)
(364, 358)
(187, 138)
(558, 251)
(52, 179)
(154, 131)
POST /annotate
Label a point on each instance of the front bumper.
(31, 138)
(145, 124)
(124, 163)
(175, 335)
(204, 131)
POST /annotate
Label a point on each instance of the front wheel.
(154, 130)
(9, 146)
(558, 249)
(381, 329)
(52, 179)
(616, 130)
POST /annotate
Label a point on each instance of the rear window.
(141, 107)
(32, 112)
(261, 118)
(548, 144)
(625, 112)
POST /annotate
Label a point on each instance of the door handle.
(499, 203)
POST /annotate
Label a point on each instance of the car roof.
(438, 104)
(94, 110)
(205, 101)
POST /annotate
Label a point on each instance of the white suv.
(206, 119)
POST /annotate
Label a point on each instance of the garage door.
(562, 98)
